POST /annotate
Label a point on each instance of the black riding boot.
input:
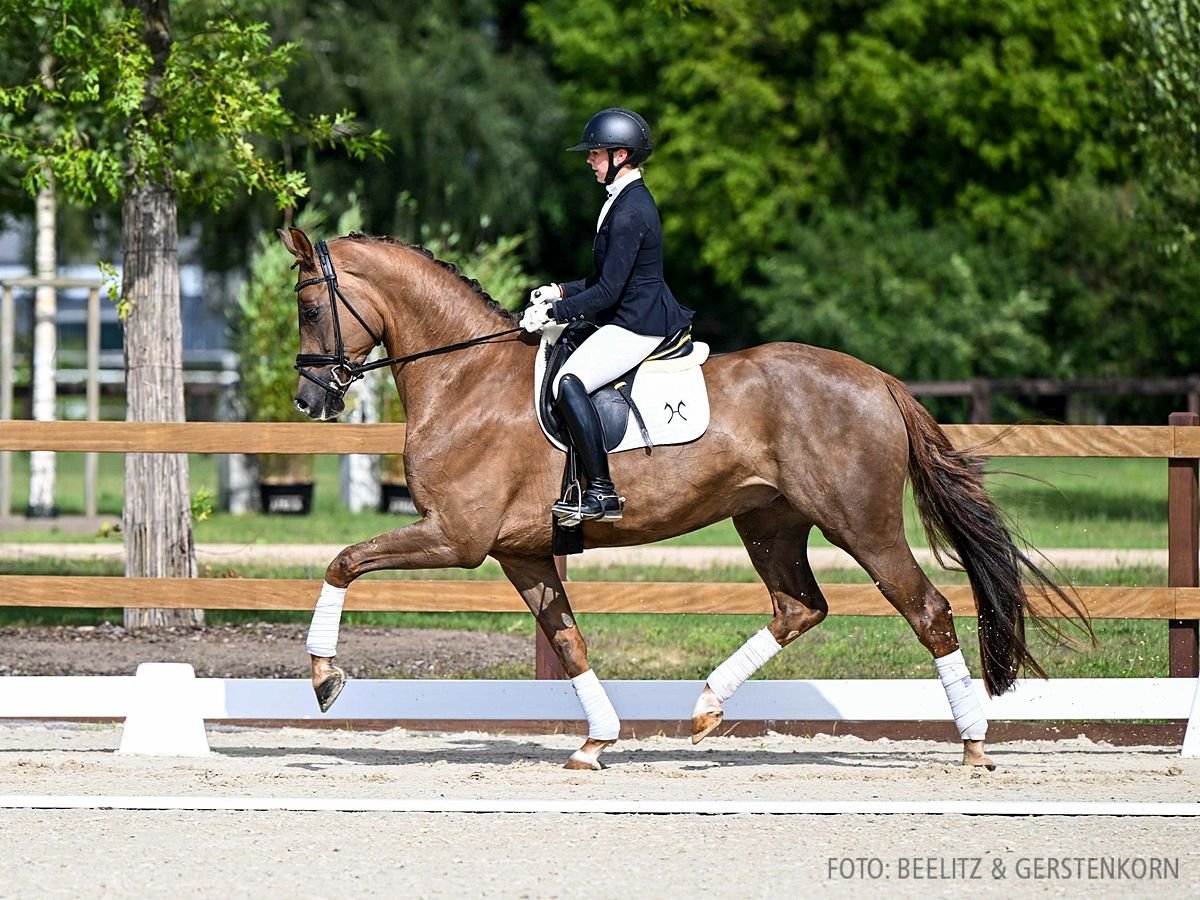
(600, 500)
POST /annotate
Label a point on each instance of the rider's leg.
(600, 500)
(607, 354)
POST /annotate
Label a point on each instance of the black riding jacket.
(627, 287)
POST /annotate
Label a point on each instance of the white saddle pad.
(670, 394)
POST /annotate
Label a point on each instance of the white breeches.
(606, 355)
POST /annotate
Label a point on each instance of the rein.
(345, 371)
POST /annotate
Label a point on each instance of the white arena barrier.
(164, 705)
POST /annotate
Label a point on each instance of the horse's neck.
(436, 309)
(441, 310)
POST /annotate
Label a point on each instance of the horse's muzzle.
(317, 403)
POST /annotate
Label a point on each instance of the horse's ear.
(298, 245)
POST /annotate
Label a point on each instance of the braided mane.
(474, 285)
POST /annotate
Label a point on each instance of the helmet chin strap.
(613, 168)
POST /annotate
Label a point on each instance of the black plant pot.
(395, 499)
(286, 499)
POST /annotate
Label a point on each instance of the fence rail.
(1173, 441)
(443, 595)
(981, 391)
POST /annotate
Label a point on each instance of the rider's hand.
(547, 293)
(537, 316)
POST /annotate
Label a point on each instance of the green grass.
(1064, 502)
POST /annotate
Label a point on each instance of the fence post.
(91, 461)
(545, 664)
(1183, 550)
(6, 392)
(981, 401)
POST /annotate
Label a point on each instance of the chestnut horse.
(799, 437)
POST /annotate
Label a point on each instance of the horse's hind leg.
(909, 590)
(776, 538)
(538, 582)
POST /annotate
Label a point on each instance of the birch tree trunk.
(157, 519)
(45, 336)
(45, 353)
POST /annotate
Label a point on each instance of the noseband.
(344, 371)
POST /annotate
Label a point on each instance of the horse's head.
(333, 346)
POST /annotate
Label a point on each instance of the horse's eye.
(310, 313)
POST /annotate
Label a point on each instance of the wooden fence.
(1178, 601)
(981, 391)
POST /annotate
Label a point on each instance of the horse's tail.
(961, 518)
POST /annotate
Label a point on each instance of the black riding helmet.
(615, 128)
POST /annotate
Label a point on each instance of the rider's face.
(598, 160)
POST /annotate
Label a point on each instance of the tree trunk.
(45, 336)
(157, 519)
(45, 351)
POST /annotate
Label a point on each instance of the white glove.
(537, 316)
(547, 293)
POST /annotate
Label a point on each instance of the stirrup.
(591, 506)
(566, 510)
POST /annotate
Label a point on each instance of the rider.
(626, 295)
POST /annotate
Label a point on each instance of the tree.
(921, 303)
(1161, 81)
(768, 112)
(474, 118)
(150, 111)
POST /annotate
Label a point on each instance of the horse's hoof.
(587, 757)
(327, 691)
(579, 761)
(705, 723)
(974, 757)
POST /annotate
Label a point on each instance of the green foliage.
(467, 106)
(765, 110)
(1163, 45)
(203, 503)
(112, 288)
(117, 112)
(1161, 81)
(921, 303)
(265, 332)
(1121, 303)
(496, 265)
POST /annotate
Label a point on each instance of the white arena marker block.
(1191, 737)
(164, 717)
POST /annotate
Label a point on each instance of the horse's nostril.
(300, 405)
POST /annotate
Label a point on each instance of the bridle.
(343, 370)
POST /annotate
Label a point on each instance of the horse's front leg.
(539, 584)
(422, 545)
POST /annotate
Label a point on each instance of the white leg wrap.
(749, 658)
(326, 620)
(964, 702)
(603, 724)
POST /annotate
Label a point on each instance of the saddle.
(614, 401)
(668, 386)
